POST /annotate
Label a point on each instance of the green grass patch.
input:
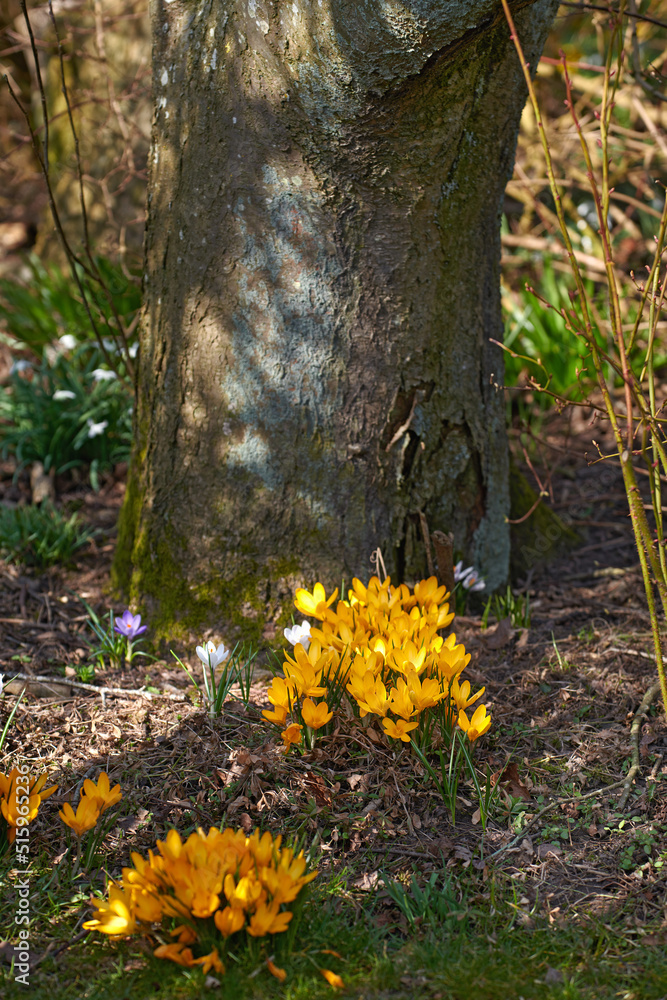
(480, 941)
(41, 536)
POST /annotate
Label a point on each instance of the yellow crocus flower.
(211, 961)
(281, 693)
(316, 603)
(373, 696)
(176, 952)
(267, 920)
(399, 730)
(424, 693)
(243, 895)
(85, 818)
(428, 593)
(400, 702)
(477, 726)
(114, 916)
(293, 734)
(278, 715)
(460, 694)
(171, 848)
(104, 796)
(315, 716)
(230, 920)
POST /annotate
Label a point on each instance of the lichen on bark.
(322, 284)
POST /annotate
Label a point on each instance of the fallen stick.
(101, 691)
(635, 730)
(553, 805)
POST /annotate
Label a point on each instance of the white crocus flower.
(68, 342)
(210, 655)
(103, 375)
(469, 578)
(61, 394)
(299, 633)
(96, 429)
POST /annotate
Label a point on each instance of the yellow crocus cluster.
(383, 647)
(211, 886)
(20, 798)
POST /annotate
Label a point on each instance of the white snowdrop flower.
(133, 349)
(209, 654)
(68, 342)
(62, 394)
(299, 633)
(94, 430)
(103, 375)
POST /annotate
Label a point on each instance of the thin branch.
(42, 92)
(546, 809)
(123, 344)
(102, 691)
(637, 59)
(635, 730)
(610, 10)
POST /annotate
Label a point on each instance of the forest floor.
(562, 896)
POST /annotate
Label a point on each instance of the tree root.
(635, 730)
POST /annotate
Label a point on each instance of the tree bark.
(322, 280)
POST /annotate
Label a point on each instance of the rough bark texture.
(322, 282)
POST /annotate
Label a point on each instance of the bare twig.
(582, 6)
(635, 730)
(637, 60)
(553, 805)
(102, 691)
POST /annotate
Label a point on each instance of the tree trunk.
(322, 281)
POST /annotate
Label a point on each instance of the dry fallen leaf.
(509, 780)
(500, 635)
(544, 850)
(522, 641)
(368, 881)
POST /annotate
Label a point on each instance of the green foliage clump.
(68, 401)
(539, 342)
(41, 536)
(39, 310)
(64, 414)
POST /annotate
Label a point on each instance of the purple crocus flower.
(129, 625)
